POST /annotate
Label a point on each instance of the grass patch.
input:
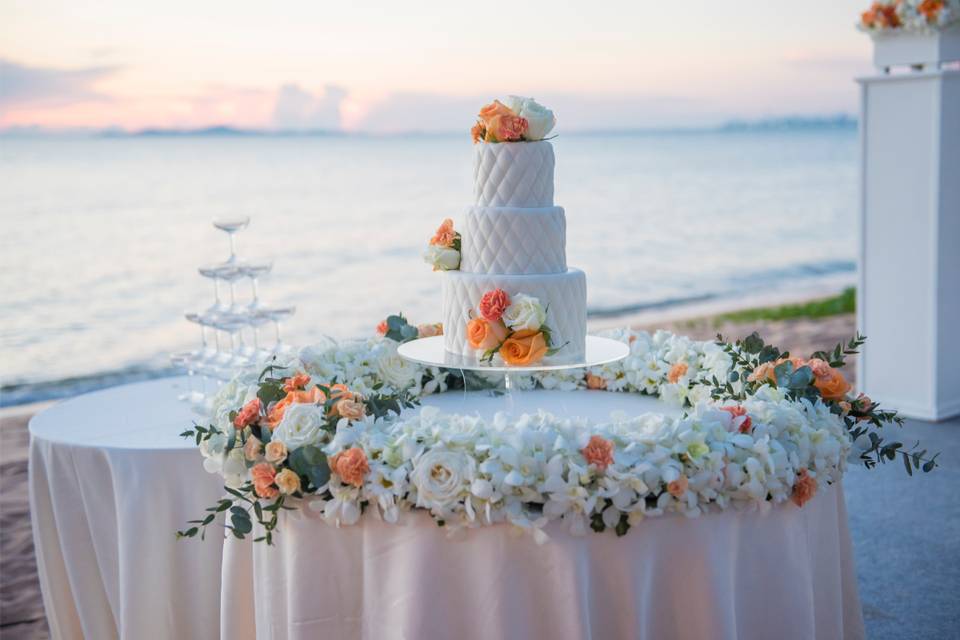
(845, 302)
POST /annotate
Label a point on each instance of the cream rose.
(276, 451)
(525, 312)
(441, 477)
(540, 120)
(442, 258)
(302, 424)
(398, 372)
(287, 481)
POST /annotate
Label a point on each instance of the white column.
(908, 301)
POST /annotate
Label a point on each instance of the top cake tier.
(514, 174)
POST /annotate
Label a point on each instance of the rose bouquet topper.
(329, 431)
(514, 119)
(909, 15)
(515, 329)
(443, 251)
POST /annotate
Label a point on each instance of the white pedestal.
(908, 301)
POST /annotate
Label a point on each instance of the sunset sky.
(415, 65)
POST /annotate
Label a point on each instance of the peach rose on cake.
(509, 128)
(482, 334)
(493, 304)
(493, 110)
(524, 347)
(445, 234)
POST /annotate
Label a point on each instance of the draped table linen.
(782, 572)
(110, 483)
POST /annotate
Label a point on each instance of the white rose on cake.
(442, 258)
(525, 312)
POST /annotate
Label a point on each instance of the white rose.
(540, 120)
(514, 103)
(398, 372)
(302, 425)
(442, 258)
(525, 312)
(441, 477)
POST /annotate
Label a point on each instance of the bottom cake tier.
(563, 294)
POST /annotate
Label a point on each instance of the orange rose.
(524, 347)
(478, 132)
(803, 489)
(485, 335)
(598, 452)
(263, 475)
(351, 465)
(833, 386)
(445, 234)
(929, 9)
(677, 371)
(297, 382)
(249, 414)
(595, 382)
(313, 395)
(492, 110)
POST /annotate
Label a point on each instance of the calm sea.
(101, 237)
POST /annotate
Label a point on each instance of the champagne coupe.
(231, 225)
(277, 315)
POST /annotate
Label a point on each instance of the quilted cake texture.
(565, 295)
(514, 174)
(511, 240)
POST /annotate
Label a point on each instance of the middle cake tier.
(564, 295)
(514, 240)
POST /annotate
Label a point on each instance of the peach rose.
(598, 452)
(509, 128)
(677, 371)
(804, 488)
(820, 368)
(832, 387)
(296, 383)
(493, 304)
(524, 347)
(313, 395)
(429, 330)
(930, 9)
(737, 411)
(249, 414)
(493, 110)
(478, 132)
(767, 370)
(263, 475)
(350, 409)
(276, 451)
(251, 448)
(595, 382)
(678, 487)
(445, 234)
(288, 481)
(382, 328)
(351, 465)
(485, 335)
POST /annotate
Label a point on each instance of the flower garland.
(329, 429)
(886, 16)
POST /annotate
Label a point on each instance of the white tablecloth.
(784, 573)
(110, 483)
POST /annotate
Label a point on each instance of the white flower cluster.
(531, 470)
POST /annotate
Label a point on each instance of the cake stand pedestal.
(431, 352)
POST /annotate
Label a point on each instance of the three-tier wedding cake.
(511, 294)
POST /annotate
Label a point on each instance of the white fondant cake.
(515, 239)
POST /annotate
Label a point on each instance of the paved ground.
(906, 531)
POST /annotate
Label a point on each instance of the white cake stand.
(431, 352)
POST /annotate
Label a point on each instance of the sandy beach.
(21, 609)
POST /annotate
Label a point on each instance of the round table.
(111, 481)
(784, 572)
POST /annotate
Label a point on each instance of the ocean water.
(101, 237)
